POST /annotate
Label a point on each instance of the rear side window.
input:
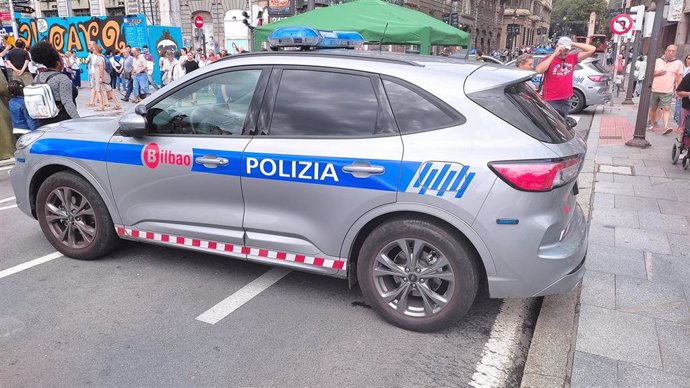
(521, 106)
(415, 113)
(320, 103)
(596, 65)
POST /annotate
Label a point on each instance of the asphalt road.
(129, 320)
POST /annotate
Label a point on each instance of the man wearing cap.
(558, 69)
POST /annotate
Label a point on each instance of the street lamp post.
(639, 139)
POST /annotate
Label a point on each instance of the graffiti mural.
(112, 33)
(75, 33)
(162, 39)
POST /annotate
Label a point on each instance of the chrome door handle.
(363, 169)
(212, 161)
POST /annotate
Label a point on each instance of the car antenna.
(383, 37)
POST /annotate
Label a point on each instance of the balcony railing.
(516, 12)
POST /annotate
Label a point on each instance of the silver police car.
(418, 177)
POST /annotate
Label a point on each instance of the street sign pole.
(631, 79)
(637, 46)
(639, 139)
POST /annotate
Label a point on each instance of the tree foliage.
(577, 14)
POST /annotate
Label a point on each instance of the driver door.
(183, 178)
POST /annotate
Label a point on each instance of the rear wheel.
(577, 102)
(417, 275)
(685, 162)
(675, 154)
(74, 217)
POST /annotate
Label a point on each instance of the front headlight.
(28, 139)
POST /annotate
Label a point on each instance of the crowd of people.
(670, 86)
(128, 71)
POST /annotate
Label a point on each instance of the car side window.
(414, 112)
(321, 103)
(215, 105)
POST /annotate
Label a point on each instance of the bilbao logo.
(152, 156)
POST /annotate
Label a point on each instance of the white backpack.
(39, 100)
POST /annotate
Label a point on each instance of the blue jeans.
(129, 86)
(141, 84)
(561, 106)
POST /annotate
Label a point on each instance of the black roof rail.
(357, 55)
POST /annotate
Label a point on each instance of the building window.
(115, 11)
(50, 14)
(81, 12)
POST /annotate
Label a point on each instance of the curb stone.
(550, 359)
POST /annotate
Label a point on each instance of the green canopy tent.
(369, 18)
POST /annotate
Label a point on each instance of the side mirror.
(140, 110)
(570, 122)
(133, 125)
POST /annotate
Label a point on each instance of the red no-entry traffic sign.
(199, 21)
(621, 24)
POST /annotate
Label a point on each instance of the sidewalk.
(83, 99)
(634, 319)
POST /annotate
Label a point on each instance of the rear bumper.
(567, 283)
(555, 269)
(597, 98)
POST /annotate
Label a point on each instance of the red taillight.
(538, 175)
(597, 78)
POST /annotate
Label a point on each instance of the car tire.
(577, 102)
(442, 264)
(74, 217)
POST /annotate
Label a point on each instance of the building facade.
(483, 19)
(525, 23)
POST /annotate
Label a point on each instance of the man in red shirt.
(558, 69)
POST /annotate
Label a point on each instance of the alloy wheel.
(70, 217)
(414, 277)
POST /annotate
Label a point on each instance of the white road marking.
(29, 264)
(8, 207)
(499, 354)
(242, 296)
(7, 199)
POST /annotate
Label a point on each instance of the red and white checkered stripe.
(215, 246)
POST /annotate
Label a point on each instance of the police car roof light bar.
(307, 37)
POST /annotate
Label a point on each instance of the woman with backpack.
(115, 68)
(49, 73)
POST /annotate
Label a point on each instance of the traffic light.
(246, 22)
(637, 14)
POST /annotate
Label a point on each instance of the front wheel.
(417, 275)
(675, 154)
(74, 217)
(685, 162)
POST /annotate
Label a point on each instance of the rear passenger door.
(326, 151)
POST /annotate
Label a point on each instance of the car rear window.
(596, 65)
(522, 107)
